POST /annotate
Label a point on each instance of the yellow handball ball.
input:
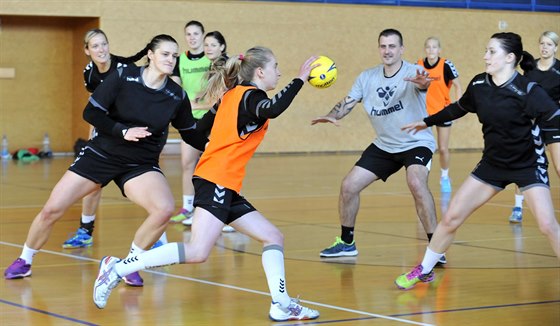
(324, 75)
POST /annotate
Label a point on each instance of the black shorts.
(225, 204)
(446, 124)
(499, 178)
(384, 164)
(550, 137)
(101, 168)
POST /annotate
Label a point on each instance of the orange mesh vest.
(224, 159)
(437, 96)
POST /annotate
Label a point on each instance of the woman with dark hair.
(131, 111)
(511, 109)
(102, 64)
(240, 121)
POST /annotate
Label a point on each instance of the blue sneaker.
(80, 239)
(445, 184)
(516, 215)
(340, 249)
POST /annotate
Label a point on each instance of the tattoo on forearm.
(343, 107)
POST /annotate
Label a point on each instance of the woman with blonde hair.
(240, 121)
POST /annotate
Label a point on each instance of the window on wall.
(523, 5)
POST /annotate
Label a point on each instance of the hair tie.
(241, 57)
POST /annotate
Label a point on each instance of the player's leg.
(66, 192)
(540, 203)
(189, 159)
(443, 133)
(84, 235)
(472, 194)
(282, 308)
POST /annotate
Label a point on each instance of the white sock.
(168, 254)
(28, 253)
(163, 238)
(445, 173)
(134, 251)
(273, 264)
(188, 202)
(430, 260)
(88, 218)
(519, 200)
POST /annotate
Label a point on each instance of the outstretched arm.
(339, 111)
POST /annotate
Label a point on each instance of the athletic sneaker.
(339, 249)
(107, 280)
(228, 228)
(18, 269)
(80, 239)
(295, 311)
(442, 261)
(182, 216)
(133, 279)
(445, 184)
(516, 215)
(407, 280)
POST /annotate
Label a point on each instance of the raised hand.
(306, 68)
(422, 80)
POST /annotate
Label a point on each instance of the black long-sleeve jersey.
(256, 108)
(549, 80)
(511, 115)
(123, 101)
(92, 76)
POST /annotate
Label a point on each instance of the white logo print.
(219, 194)
(421, 159)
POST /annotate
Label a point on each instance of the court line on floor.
(52, 314)
(155, 272)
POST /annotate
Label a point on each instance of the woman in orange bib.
(444, 75)
(239, 122)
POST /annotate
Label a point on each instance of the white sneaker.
(228, 228)
(107, 279)
(188, 221)
(295, 311)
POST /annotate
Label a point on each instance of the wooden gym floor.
(498, 273)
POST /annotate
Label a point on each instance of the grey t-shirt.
(390, 103)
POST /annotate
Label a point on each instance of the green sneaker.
(183, 214)
(408, 280)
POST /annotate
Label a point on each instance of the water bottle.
(47, 152)
(5, 152)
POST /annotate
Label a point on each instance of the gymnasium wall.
(346, 33)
